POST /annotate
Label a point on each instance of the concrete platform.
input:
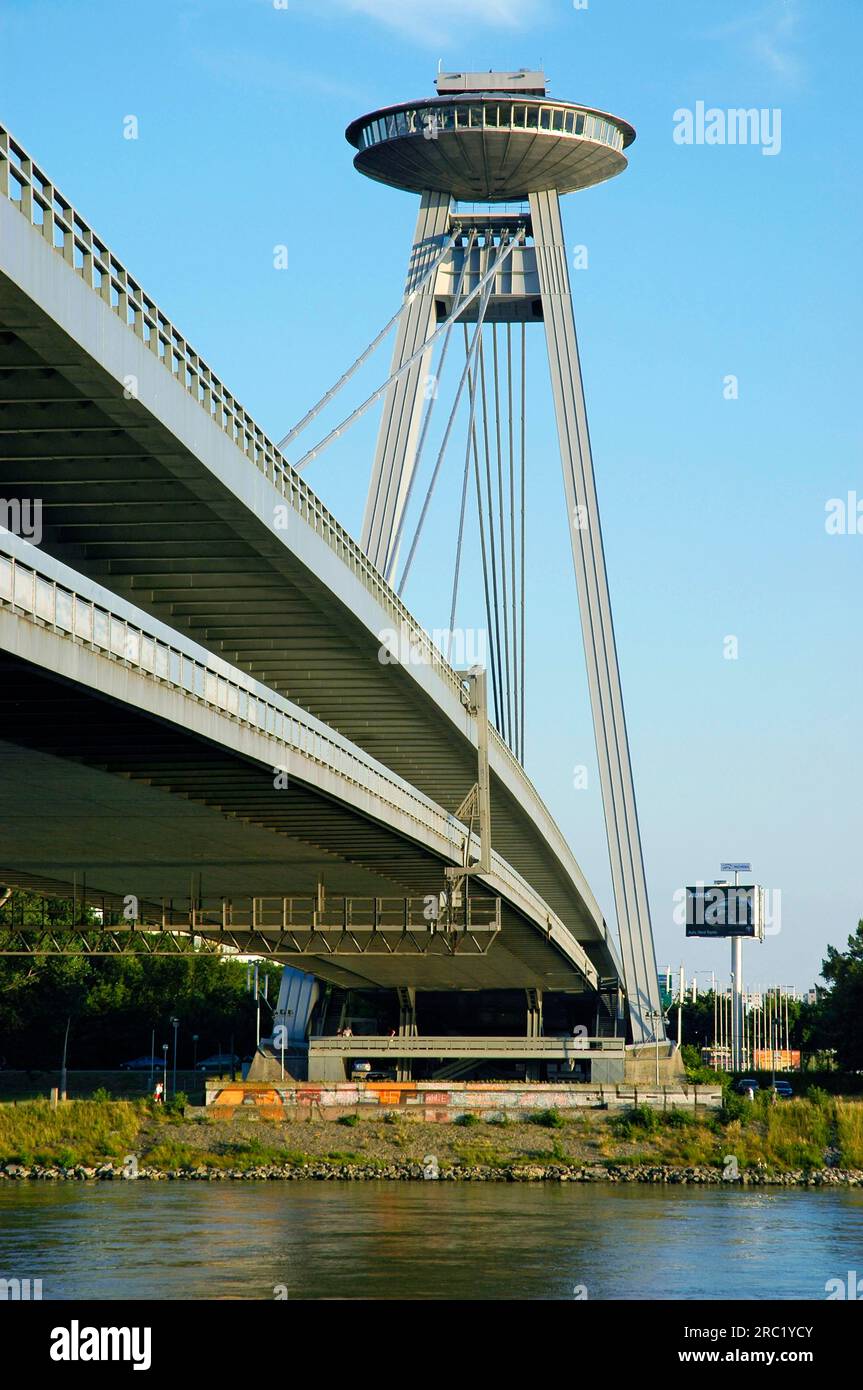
(444, 1101)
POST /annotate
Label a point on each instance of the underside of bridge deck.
(146, 494)
(102, 796)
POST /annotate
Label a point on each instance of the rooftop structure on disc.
(490, 137)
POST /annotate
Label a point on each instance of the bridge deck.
(154, 480)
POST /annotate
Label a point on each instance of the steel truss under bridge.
(438, 924)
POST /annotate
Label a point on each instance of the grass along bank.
(798, 1136)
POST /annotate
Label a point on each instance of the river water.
(396, 1240)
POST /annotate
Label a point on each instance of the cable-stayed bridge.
(216, 704)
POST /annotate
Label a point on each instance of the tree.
(116, 1001)
(840, 1007)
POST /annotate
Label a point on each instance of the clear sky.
(705, 261)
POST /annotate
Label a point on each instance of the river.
(395, 1240)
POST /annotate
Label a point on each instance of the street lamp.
(654, 1015)
(176, 1023)
(165, 1067)
(194, 1052)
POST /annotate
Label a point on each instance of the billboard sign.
(723, 909)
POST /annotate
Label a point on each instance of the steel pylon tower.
(493, 138)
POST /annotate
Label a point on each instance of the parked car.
(783, 1089)
(380, 1076)
(746, 1086)
(220, 1061)
(141, 1064)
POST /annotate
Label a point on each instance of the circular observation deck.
(490, 148)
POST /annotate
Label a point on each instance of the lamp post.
(175, 1022)
(165, 1067)
(194, 1052)
(63, 1067)
(654, 1015)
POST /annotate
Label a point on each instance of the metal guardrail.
(191, 669)
(239, 697)
(565, 1048)
(30, 190)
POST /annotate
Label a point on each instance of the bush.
(734, 1107)
(467, 1119)
(816, 1095)
(349, 1121)
(676, 1118)
(78, 1127)
(849, 1132)
(643, 1117)
(698, 1073)
(548, 1119)
(100, 1095)
(639, 1120)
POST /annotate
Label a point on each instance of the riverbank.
(401, 1172)
(809, 1142)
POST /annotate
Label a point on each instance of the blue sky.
(704, 261)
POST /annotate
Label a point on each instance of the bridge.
(215, 699)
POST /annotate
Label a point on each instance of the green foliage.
(734, 1106)
(467, 1119)
(696, 1070)
(816, 1095)
(82, 1130)
(100, 1095)
(548, 1119)
(643, 1117)
(349, 1121)
(836, 1019)
(675, 1118)
(639, 1119)
(797, 1133)
(849, 1133)
(115, 1002)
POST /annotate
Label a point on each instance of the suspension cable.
(394, 548)
(477, 337)
(364, 356)
(457, 571)
(523, 395)
(492, 542)
(506, 250)
(482, 544)
(513, 574)
(504, 585)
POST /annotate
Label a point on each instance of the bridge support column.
(534, 1013)
(403, 404)
(407, 1028)
(533, 1027)
(603, 674)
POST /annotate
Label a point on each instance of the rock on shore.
(515, 1172)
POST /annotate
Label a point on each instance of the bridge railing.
(238, 696)
(563, 1047)
(26, 185)
(209, 680)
